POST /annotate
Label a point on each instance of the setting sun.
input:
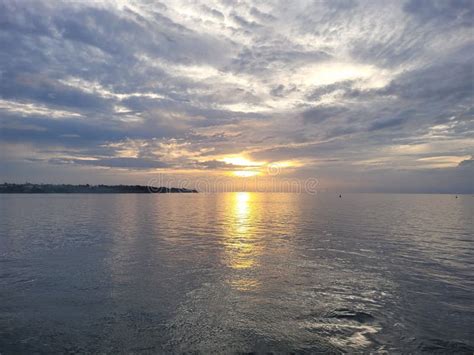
(246, 173)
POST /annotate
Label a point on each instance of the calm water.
(236, 273)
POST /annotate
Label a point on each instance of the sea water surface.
(236, 272)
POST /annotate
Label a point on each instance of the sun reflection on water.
(242, 246)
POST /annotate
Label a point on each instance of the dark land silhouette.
(96, 189)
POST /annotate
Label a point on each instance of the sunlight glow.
(250, 168)
(241, 161)
(245, 173)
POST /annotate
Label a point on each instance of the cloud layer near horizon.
(362, 94)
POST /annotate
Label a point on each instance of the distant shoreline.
(28, 188)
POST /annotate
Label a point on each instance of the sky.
(357, 95)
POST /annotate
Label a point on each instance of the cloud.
(260, 15)
(343, 86)
(387, 123)
(450, 81)
(322, 113)
(458, 11)
(467, 164)
(125, 163)
(213, 12)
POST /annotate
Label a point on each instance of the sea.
(224, 273)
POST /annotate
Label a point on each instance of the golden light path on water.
(241, 245)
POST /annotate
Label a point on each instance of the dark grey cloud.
(451, 11)
(388, 123)
(393, 122)
(215, 13)
(322, 113)
(467, 164)
(282, 90)
(245, 23)
(126, 163)
(451, 81)
(261, 16)
(37, 87)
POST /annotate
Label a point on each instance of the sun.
(245, 173)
